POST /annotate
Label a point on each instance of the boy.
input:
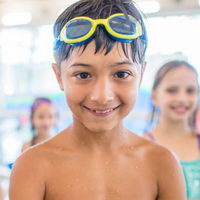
(99, 66)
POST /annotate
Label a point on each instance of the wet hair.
(161, 73)
(100, 9)
(35, 105)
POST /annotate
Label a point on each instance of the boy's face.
(100, 89)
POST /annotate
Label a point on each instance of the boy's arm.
(171, 182)
(27, 181)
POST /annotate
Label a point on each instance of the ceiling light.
(149, 6)
(16, 19)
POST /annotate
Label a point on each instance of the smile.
(102, 112)
(106, 111)
(180, 109)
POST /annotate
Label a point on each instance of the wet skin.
(96, 157)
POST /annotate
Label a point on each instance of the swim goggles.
(80, 29)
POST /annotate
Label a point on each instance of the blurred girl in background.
(1, 193)
(43, 119)
(175, 92)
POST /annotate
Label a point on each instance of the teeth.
(103, 112)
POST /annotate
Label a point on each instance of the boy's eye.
(83, 75)
(121, 74)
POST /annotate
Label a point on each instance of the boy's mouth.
(102, 111)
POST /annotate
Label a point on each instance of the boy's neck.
(173, 128)
(99, 141)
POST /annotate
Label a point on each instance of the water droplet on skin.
(111, 192)
(101, 138)
(49, 161)
(117, 190)
(170, 194)
(173, 175)
(83, 143)
(132, 147)
(106, 162)
(76, 180)
(136, 167)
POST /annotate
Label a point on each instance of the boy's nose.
(102, 92)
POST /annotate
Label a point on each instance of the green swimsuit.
(191, 172)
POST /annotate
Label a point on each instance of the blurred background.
(26, 41)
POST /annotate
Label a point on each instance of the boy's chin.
(98, 128)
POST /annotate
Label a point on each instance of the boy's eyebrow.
(122, 63)
(80, 64)
(114, 65)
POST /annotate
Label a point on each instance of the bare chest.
(100, 180)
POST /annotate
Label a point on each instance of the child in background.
(43, 119)
(100, 60)
(1, 193)
(175, 92)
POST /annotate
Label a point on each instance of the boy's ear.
(58, 75)
(142, 73)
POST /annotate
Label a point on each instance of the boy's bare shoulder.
(156, 155)
(163, 164)
(40, 156)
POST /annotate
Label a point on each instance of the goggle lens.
(78, 28)
(120, 25)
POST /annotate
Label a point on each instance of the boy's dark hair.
(161, 73)
(96, 9)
